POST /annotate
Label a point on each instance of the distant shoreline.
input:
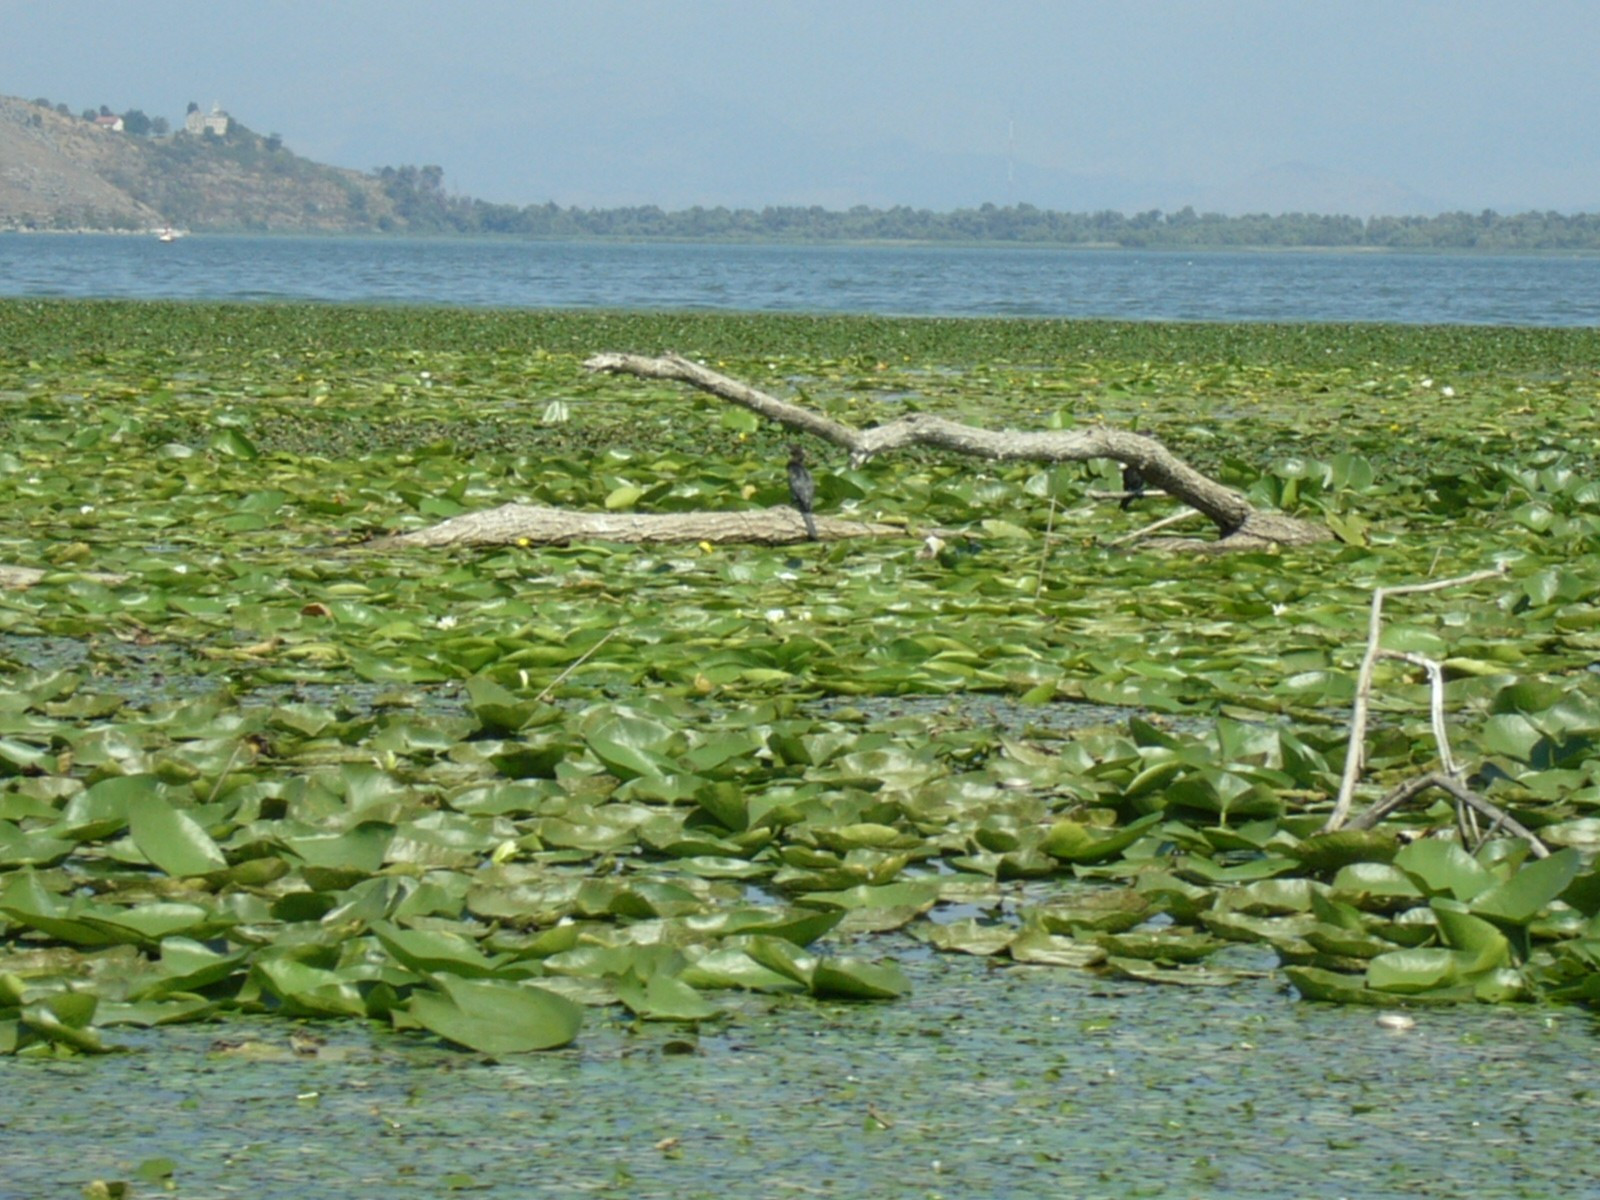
(999, 244)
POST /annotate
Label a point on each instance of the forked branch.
(1237, 521)
(1449, 777)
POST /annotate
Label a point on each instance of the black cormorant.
(1132, 484)
(802, 488)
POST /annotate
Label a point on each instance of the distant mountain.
(59, 171)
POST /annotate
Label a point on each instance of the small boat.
(169, 234)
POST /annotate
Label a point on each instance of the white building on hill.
(199, 123)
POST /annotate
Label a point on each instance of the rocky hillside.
(64, 172)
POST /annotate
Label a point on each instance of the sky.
(1363, 107)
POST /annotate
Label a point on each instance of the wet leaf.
(172, 840)
(496, 1019)
(663, 998)
(856, 979)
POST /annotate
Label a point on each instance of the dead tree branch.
(1464, 797)
(1238, 522)
(1449, 778)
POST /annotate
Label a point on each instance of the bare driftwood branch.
(1238, 522)
(1355, 749)
(1139, 535)
(1464, 796)
(534, 525)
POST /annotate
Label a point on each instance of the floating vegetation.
(246, 766)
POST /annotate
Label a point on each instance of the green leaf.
(307, 991)
(1511, 734)
(1331, 987)
(103, 808)
(30, 905)
(1077, 843)
(233, 444)
(730, 967)
(623, 497)
(170, 839)
(1481, 946)
(64, 1022)
(969, 936)
(495, 1018)
(629, 745)
(663, 998)
(498, 710)
(855, 979)
(1412, 971)
(1518, 900)
(428, 951)
(1440, 865)
(187, 965)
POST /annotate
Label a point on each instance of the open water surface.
(988, 1081)
(914, 280)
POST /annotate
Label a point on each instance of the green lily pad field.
(249, 767)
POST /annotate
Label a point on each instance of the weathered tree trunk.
(1239, 523)
(533, 525)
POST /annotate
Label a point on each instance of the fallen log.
(536, 525)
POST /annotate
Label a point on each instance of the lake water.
(988, 1080)
(890, 280)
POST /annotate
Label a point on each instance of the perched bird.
(1132, 484)
(802, 488)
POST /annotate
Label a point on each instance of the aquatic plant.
(246, 765)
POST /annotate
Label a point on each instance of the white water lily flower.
(774, 614)
(446, 622)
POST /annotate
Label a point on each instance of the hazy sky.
(1362, 106)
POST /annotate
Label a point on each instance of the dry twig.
(1448, 778)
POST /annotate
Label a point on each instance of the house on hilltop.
(200, 123)
(109, 121)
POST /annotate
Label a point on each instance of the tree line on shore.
(424, 206)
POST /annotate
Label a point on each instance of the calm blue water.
(895, 280)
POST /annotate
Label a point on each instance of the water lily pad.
(1519, 899)
(171, 839)
(496, 1019)
(857, 979)
(664, 998)
(969, 936)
